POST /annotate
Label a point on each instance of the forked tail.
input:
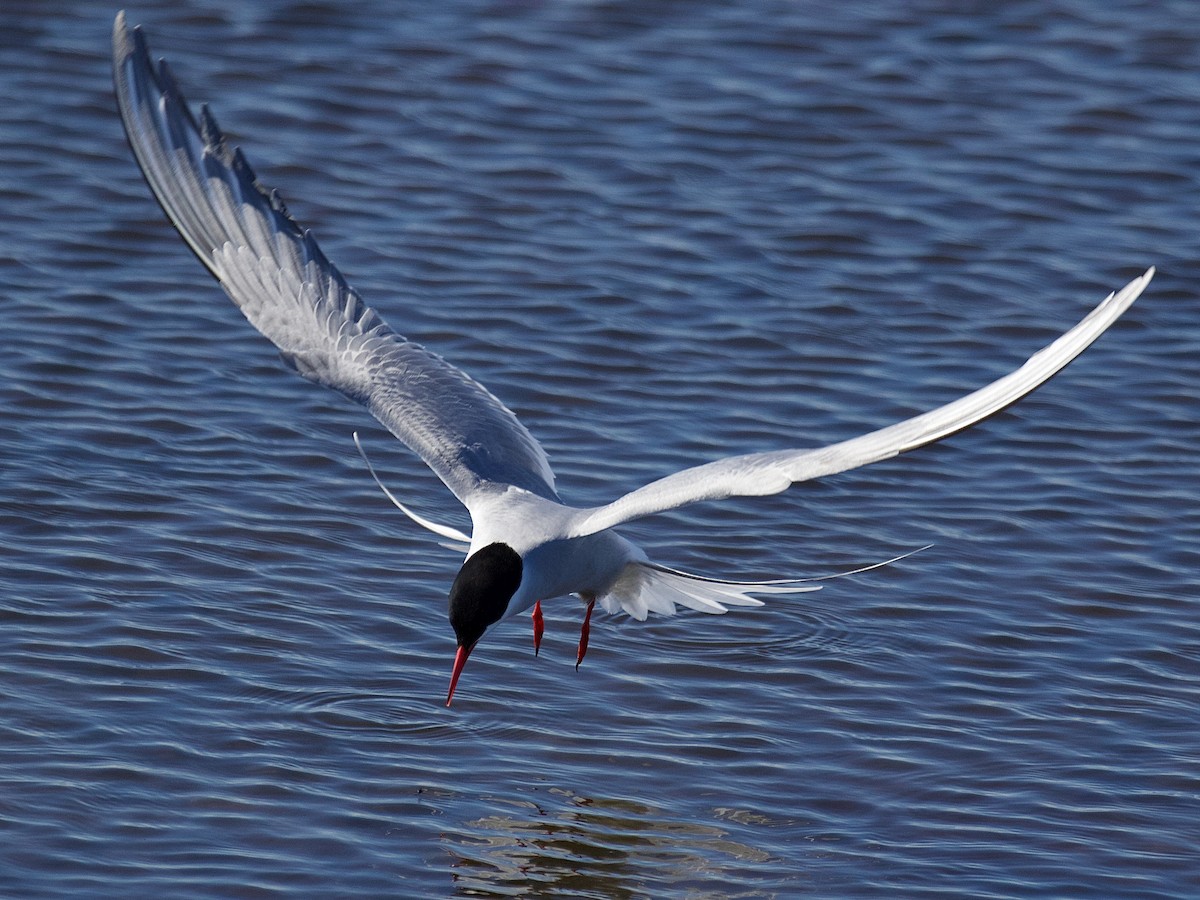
(645, 587)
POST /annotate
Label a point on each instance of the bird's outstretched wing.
(277, 275)
(759, 474)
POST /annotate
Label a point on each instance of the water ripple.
(661, 233)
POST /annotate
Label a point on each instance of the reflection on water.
(564, 845)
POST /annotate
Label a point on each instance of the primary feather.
(278, 276)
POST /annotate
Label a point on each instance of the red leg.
(538, 627)
(583, 634)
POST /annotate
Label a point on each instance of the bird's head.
(479, 598)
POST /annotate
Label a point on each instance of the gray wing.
(282, 282)
(759, 474)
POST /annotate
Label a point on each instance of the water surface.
(661, 233)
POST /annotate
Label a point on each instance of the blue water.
(661, 233)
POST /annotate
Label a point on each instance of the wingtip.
(1134, 289)
(1117, 302)
(121, 37)
(128, 40)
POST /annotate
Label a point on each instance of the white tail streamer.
(445, 531)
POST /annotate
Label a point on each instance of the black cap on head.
(481, 591)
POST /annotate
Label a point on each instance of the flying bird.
(525, 544)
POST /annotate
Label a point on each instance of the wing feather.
(759, 474)
(279, 278)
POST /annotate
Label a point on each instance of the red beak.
(460, 660)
